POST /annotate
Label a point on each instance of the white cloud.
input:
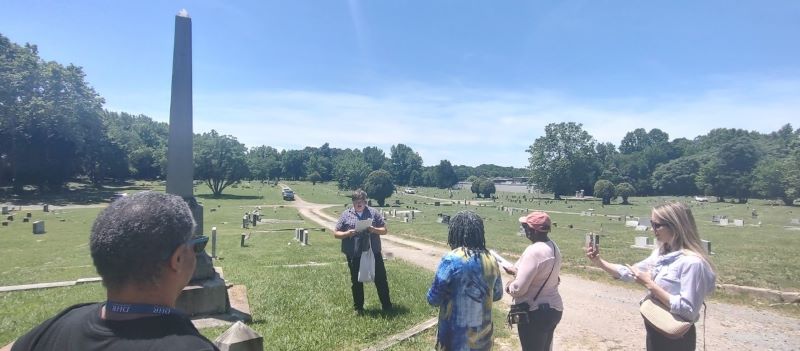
(474, 127)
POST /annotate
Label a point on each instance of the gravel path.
(600, 316)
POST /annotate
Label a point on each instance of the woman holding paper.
(464, 287)
(535, 284)
(678, 273)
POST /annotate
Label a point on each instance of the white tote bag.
(366, 271)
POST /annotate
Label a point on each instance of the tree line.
(726, 163)
(53, 129)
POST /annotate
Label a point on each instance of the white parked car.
(410, 191)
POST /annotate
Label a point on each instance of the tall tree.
(264, 163)
(374, 157)
(562, 160)
(350, 170)
(729, 172)
(378, 186)
(219, 160)
(404, 162)
(293, 164)
(445, 175)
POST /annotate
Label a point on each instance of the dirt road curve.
(598, 316)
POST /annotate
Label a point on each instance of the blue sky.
(469, 81)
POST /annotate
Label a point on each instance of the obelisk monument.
(180, 164)
(206, 294)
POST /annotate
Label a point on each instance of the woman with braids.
(466, 283)
(678, 273)
(535, 284)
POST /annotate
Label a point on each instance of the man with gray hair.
(142, 247)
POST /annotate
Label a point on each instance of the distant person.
(353, 243)
(142, 247)
(464, 287)
(535, 284)
(678, 273)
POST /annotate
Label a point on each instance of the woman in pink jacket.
(536, 283)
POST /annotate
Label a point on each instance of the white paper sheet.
(500, 260)
(363, 224)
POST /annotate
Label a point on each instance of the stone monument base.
(204, 297)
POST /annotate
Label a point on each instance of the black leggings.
(658, 342)
(537, 335)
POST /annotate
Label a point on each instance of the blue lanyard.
(124, 308)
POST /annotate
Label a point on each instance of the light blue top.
(686, 277)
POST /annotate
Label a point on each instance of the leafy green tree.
(729, 173)
(374, 157)
(317, 165)
(264, 163)
(350, 170)
(314, 177)
(445, 175)
(563, 159)
(219, 160)
(404, 161)
(293, 164)
(777, 178)
(487, 188)
(378, 186)
(604, 190)
(624, 190)
(677, 177)
(475, 188)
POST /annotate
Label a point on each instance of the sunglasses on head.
(198, 243)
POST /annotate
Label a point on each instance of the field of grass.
(287, 303)
(294, 308)
(760, 255)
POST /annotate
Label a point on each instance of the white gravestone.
(723, 221)
(632, 224)
(738, 222)
(641, 228)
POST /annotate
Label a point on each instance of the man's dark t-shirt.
(81, 328)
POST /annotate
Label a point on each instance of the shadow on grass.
(229, 197)
(74, 194)
(396, 311)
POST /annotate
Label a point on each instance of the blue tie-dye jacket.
(464, 288)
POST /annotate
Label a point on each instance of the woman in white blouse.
(678, 273)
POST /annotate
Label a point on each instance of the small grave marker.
(240, 337)
(641, 228)
(738, 222)
(795, 221)
(26, 220)
(631, 223)
(213, 242)
(706, 245)
(5, 209)
(38, 227)
(46, 208)
(723, 221)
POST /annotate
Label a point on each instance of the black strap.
(555, 260)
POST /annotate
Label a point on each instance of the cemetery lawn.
(299, 295)
(752, 255)
(309, 306)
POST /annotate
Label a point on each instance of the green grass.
(760, 256)
(310, 307)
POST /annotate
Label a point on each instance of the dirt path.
(599, 316)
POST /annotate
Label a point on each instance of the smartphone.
(592, 240)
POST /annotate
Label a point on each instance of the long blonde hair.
(678, 217)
